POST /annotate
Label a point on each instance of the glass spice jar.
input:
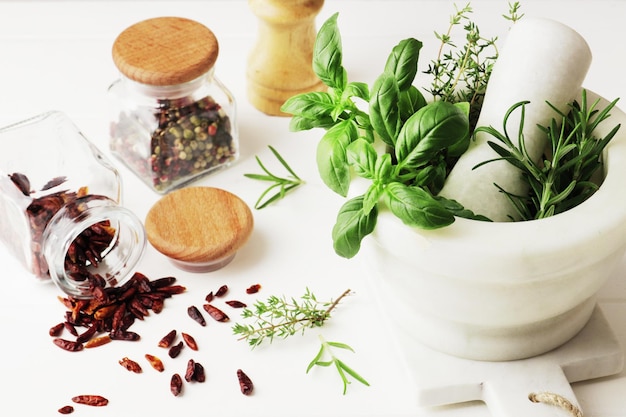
(61, 204)
(172, 120)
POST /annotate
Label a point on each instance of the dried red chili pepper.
(199, 374)
(57, 329)
(130, 365)
(216, 313)
(155, 362)
(93, 400)
(176, 385)
(175, 350)
(253, 289)
(70, 328)
(191, 370)
(221, 291)
(190, 341)
(209, 297)
(167, 340)
(245, 383)
(68, 345)
(195, 314)
(236, 304)
(66, 409)
(98, 341)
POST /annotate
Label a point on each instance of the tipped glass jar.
(61, 204)
(172, 120)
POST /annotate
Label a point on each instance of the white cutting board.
(505, 386)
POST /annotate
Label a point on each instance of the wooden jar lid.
(199, 228)
(165, 51)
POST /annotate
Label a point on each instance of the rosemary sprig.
(282, 317)
(460, 74)
(564, 177)
(283, 184)
(344, 370)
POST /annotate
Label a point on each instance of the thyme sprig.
(326, 351)
(282, 317)
(564, 177)
(460, 74)
(284, 184)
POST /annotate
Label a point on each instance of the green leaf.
(416, 207)
(328, 55)
(402, 62)
(428, 132)
(356, 89)
(299, 123)
(352, 226)
(411, 101)
(384, 111)
(362, 156)
(331, 156)
(311, 105)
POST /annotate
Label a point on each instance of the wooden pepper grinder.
(280, 64)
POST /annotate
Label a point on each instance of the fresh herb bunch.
(326, 350)
(460, 74)
(284, 184)
(422, 139)
(564, 178)
(281, 317)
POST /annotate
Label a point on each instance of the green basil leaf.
(411, 101)
(384, 112)
(356, 89)
(361, 155)
(328, 55)
(416, 207)
(432, 176)
(402, 62)
(352, 225)
(431, 130)
(311, 105)
(332, 161)
(299, 123)
(383, 168)
(371, 197)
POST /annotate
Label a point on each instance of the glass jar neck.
(92, 242)
(170, 91)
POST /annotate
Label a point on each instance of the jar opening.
(95, 248)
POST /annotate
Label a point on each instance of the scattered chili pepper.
(253, 289)
(68, 345)
(236, 304)
(168, 339)
(216, 313)
(155, 362)
(176, 385)
(93, 400)
(130, 365)
(97, 341)
(190, 341)
(175, 350)
(209, 297)
(195, 314)
(221, 291)
(115, 310)
(66, 409)
(199, 374)
(57, 329)
(245, 383)
(191, 370)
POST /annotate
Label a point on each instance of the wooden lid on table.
(165, 51)
(199, 228)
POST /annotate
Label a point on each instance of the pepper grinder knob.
(280, 63)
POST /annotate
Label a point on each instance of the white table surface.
(56, 55)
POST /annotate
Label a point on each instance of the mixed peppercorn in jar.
(172, 120)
